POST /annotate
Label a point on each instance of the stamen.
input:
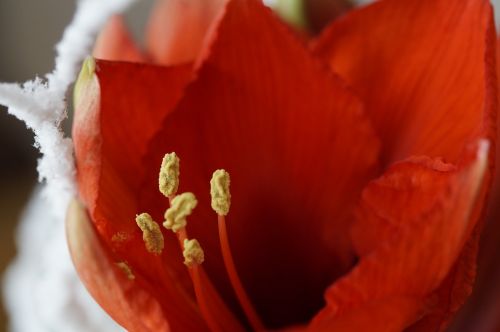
(151, 233)
(219, 190)
(193, 257)
(221, 201)
(195, 274)
(181, 207)
(126, 270)
(168, 182)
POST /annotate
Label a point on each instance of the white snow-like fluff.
(41, 103)
(42, 290)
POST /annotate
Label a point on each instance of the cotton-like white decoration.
(42, 290)
(41, 103)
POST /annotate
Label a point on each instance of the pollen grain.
(123, 266)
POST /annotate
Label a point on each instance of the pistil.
(221, 202)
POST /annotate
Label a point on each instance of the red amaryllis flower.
(359, 167)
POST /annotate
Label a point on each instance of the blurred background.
(29, 30)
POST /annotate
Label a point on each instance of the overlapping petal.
(110, 178)
(298, 148)
(425, 69)
(135, 308)
(434, 67)
(264, 107)
(418, 246)
(482, 310)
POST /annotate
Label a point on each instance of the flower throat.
(181, 206)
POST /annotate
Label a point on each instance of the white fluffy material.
(42, 290)
(41, 103)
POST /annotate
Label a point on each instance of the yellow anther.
(126, 270)
(168, 182)
(151, 233)
(180, 207)
(219, 190)
(193, 253)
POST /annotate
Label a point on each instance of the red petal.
(177, 29)
(113, 122)
(133, 307)
(425, 69)
(384, 210)
(424, 240)
(386, 315)
(116, 43)
(457, 287)
(482, 312)
(298, 147)
(119, 108)
(454, 290)
(115, 118)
